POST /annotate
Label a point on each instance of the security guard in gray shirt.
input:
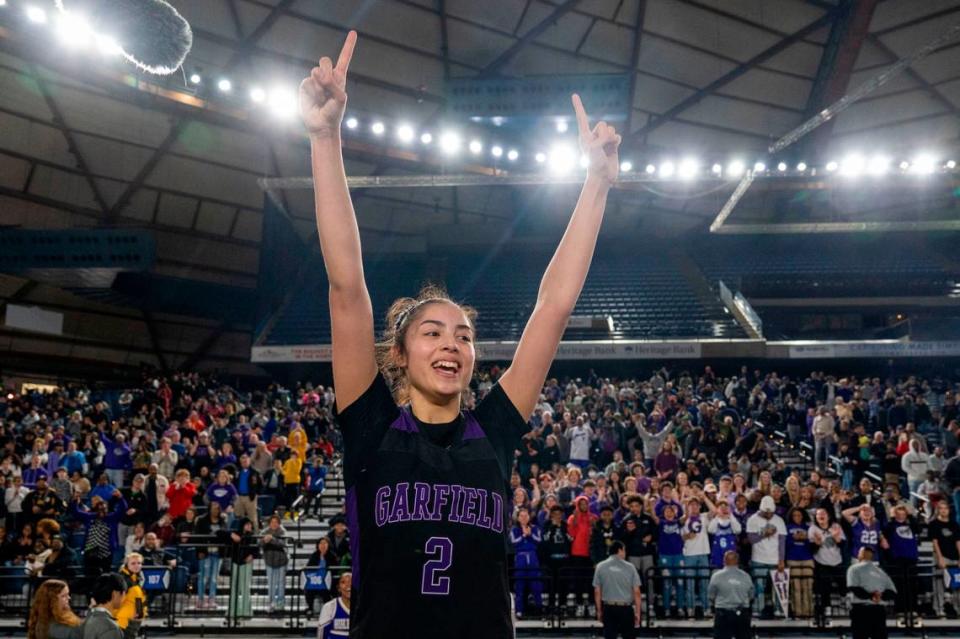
(616, 587)
(730, 593)
(869, 588)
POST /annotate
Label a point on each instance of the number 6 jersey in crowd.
(427, 510)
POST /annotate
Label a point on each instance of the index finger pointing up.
(583, 123)
(346, 53)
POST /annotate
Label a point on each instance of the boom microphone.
(151, 33)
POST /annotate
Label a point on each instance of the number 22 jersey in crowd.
(427, 510)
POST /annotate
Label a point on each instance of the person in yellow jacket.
(133, 610)
(297, 440)
(292, 469)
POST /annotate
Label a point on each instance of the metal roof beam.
(68, 135)
(635, 62)
(849, 30)
(732, 75)
(494, 67)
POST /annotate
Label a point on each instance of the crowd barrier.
(553, 596)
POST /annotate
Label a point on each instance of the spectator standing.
(526, 538)
(824, 437)
(274, 547)
(914, 465)
(900, 542)
(106, 597)
(580, 527)
(827, 538)
(50, 613)
(799, 559)
(945, 535)
(767, 534)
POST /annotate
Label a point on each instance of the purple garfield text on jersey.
(438, 502)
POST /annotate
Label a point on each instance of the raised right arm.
(323, 99)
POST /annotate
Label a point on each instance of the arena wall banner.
(288, 354)
(494, 351)
(874, 348)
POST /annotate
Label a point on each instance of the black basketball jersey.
(428, 522)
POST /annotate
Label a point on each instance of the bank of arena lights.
(74, 33)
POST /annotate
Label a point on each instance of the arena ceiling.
(86, 141)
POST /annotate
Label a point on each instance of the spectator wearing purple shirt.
(223, 492)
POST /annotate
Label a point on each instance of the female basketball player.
(426, 482)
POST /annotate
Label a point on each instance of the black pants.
(582, 569)
(557, 581)
(868, 622)
(826, 581)
(732, 624)
(904, 576)
(618, 620)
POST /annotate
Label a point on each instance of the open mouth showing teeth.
(447, 367)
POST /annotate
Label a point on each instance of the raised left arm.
(567, 271)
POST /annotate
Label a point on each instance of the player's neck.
(429, 411)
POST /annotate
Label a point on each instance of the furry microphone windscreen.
(152, 34)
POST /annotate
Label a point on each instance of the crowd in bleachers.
(680, 466)
(180, 472)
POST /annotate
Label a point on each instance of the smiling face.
(438, 354)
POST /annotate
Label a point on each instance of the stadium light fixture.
(852, 165)
(667, 169)
(688, 168)
(923, 164)
(426, 138)
(562, 125)
(74, 31)
(195, 78)
(717, 168)
(735, 168)
(282, 103)
(450, 143)
(951, 164)
(878, 165)
(759, 167)
(352, 123)
(225, 85)
(496, 151)
(3, 3)
(476, 147)
(36, 14)
(650, 169)
(782, 167)
(512, 155)
(904, 165)
(562, 159)
(832, 166)
(802, 166)
(405, 133)
(258, 95)
(540, 157)
(626, 166)
(378, 128)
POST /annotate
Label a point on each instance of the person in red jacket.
(579, 526)
(180, 494)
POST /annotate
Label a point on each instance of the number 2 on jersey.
(433, 582)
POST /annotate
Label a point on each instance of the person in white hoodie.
(914, 464)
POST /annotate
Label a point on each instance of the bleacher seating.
(792, 266)
(647, 296)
